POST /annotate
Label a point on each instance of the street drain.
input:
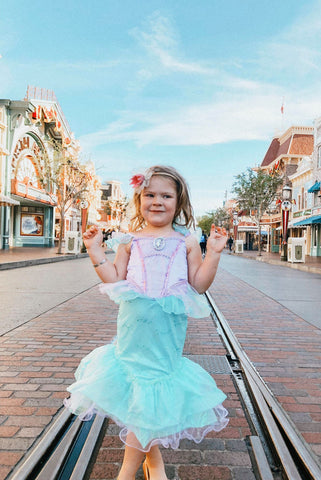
(215, 364)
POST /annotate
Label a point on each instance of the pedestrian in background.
(203, 241)
(141, 380)
(230, 243)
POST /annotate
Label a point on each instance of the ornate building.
(27, 210)
(284, 155)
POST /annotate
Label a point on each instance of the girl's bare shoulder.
(191, 243)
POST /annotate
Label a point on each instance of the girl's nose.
(157, 200)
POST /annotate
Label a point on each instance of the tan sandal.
(146, 471)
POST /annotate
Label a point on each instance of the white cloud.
(243, 109)
(161, 41)
(241, 117)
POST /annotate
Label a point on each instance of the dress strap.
(118, 238)
(181, 229)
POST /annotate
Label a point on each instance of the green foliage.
(256, 190)
(219, 217)
(205, 222)
(64, 178)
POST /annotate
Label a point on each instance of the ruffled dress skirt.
(142, 381)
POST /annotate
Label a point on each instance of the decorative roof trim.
(295, 130)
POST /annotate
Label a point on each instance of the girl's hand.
(217, 239)
(93, 237)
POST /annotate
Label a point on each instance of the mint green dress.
(142, 380)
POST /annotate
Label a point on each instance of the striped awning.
(6, 201)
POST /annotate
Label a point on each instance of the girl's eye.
(167, 196)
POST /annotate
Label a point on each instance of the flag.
(282, 107)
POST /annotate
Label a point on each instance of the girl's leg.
(155, 464)
(131, 463)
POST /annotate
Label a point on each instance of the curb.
(296, 266)
(41, 261)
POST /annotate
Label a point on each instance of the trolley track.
(278, 448)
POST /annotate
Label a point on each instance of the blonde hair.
(183, 216)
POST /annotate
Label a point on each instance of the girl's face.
(158, 202)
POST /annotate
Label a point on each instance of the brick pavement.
(38, 360)
(285, 349)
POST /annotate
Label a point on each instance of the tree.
(219, 217)
(255, 192)
(64, 178)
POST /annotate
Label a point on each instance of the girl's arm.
(201, 273)
(107, 271)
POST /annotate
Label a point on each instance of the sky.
(198, 85)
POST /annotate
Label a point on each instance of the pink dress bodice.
(157, 267)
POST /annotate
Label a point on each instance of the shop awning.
(6, 201)
(315, 188)
(309, 221)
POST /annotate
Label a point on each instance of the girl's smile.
(158, 202)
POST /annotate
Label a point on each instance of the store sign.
(297, 214)
(25, 180)
(25, 143)
(32, 193)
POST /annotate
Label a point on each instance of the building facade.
(310, 222)
(113, 204)
(284, 156)
(27, 210)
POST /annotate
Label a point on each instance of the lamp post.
(235, 225)
(286, 207)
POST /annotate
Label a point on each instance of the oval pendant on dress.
(159, 243)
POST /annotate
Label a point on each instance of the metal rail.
(64, 451)
(296, 460)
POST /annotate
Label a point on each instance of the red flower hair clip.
(137, 180)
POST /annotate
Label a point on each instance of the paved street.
(30, 291)
(298, 291)
(38, 359)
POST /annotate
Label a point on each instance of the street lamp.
(286, 207)
(235, 226)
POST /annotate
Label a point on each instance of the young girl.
(142, 381)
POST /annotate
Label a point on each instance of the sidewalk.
(311, 264)
(18, 257)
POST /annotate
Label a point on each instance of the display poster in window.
(31, 224)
